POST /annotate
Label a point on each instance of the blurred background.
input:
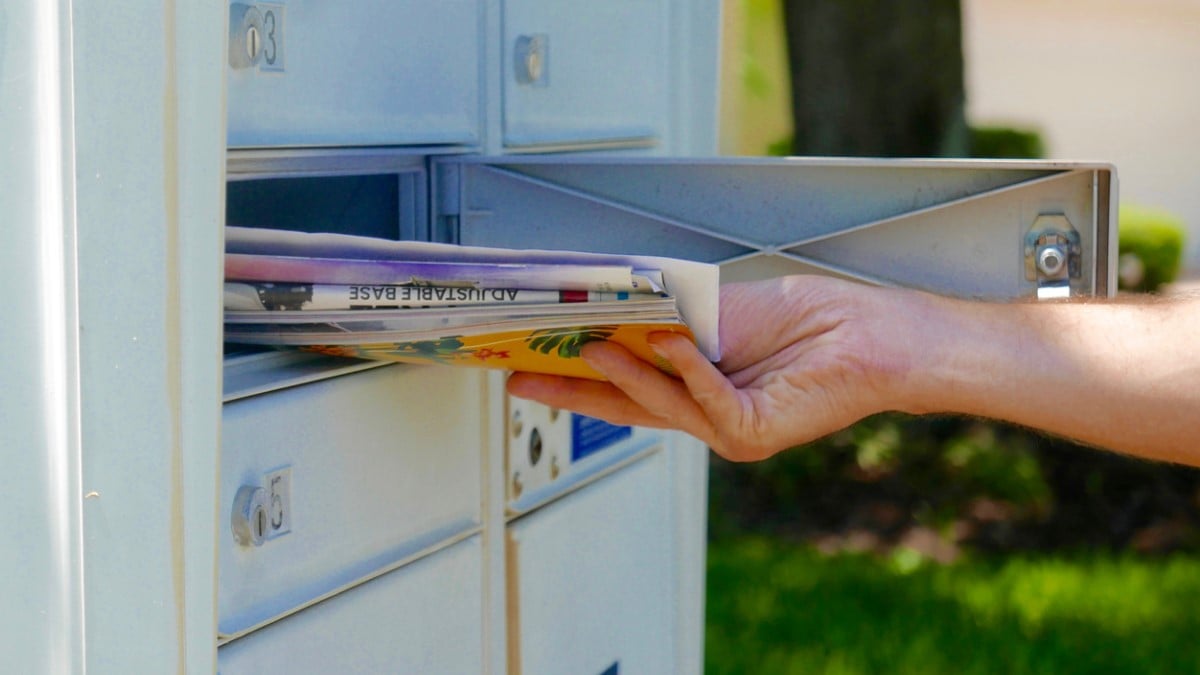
(953, 545)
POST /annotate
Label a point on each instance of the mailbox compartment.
(425, 617)
(377, 468)
(365, 72)
(590, 579)
(362, 191)
(578, 72)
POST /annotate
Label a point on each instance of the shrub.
(1006, 143)
(1151, 248)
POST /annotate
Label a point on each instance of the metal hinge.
(446, 189)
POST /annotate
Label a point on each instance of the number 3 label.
(272, 54)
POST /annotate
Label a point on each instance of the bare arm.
(805, 356)
(1123, 375)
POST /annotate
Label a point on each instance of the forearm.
(805, 356)
(1119, 375)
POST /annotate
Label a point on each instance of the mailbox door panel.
(590, 581)
(382, 465)
(425, 617)
(367, 72)
(576, 71)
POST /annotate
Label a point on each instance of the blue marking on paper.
(614, 669)
(590, 435)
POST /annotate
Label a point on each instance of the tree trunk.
(877, 77)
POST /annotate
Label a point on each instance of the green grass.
(782, 608)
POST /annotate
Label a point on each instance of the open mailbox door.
(987, 229)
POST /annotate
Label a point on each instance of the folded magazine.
(421, 302)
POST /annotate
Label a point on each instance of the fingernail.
(657, 349)
(654, 340)
(663, 362)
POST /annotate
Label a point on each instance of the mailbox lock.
(250, 520)
(530, 56)
(245, 36)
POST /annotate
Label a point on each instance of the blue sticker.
(590, 435)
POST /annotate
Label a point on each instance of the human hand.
(803, 356)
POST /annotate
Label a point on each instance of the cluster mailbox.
(267, 510)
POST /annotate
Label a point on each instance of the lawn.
(776, 607)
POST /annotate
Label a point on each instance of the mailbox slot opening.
(367, 192)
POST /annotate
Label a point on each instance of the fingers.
(597, 399)
(659, 394)
(718, 399)
(638, 393)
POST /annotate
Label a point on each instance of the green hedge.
(1151, 248)
(1006, 143)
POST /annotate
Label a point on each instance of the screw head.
(515, 425)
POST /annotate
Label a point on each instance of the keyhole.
(535, 447)
(260, 522)
(533, 65)
(529, 59)
(253, 42)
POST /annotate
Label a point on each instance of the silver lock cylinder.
(531, 56)
(251, 518)
(245, 36)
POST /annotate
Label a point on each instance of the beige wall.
(1117, 80)
(755, 91)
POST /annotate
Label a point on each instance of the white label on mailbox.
(279, 502)
(272, 37)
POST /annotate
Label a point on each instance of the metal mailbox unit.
(188, 506)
